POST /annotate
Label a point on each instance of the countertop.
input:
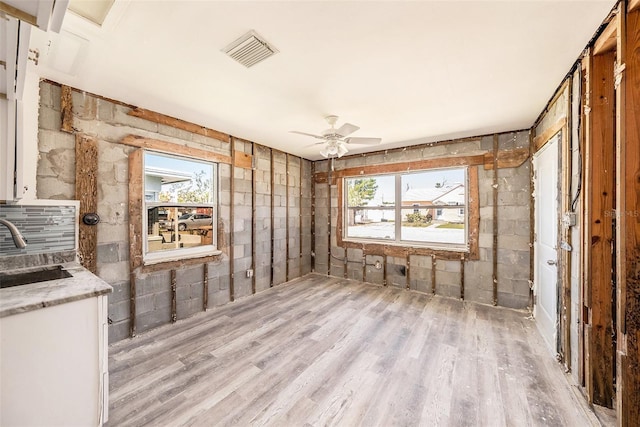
(83, 284)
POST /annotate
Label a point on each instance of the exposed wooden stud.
(532, 221)
(313, 217)
(135, 209)
(171, 148)
(232, 190)
(584, 219)
(507, 158)
(330, 161)
(565, 261)
(286, 216)
(474, 213)
(179, 124)
(408, 271)
(384, 270)
(495, 219)
(540, 140)
(205, 286)
(321, 177)
(601, 190)
(132, 304)
(272, 213)
(300, 234)
(174, 297)
(462, 277)
(87, 193)
(433, 274)
(66, 109)
(607, 40)
(628, 269)
(253, 219)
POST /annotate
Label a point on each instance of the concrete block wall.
(109, 123)
(513, 213)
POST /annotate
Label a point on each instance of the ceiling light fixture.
(333, 148)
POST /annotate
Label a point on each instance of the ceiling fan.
(336, 139)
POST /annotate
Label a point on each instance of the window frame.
(474, 162)
(399, 212)
(179, 253)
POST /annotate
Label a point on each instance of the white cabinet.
(53, 365)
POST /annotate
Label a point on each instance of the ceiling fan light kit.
(335, 140)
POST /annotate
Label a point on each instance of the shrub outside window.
(426, 208)
(179, 207)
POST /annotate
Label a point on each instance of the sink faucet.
(18, 239)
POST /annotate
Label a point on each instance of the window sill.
(181, 256)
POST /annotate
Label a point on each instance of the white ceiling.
(406, 71)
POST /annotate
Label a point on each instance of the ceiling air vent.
(250, 49)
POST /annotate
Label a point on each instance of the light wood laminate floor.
(326, 351)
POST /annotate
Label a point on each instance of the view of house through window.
(421, 208)
(179, 199)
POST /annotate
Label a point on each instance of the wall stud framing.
(253, 219)
(495, 219)
(433, 274)
(87, 193)
(272, 182)
(205, 286)
(232, 221)
(174, 297)
(462, 277)
(286, 215)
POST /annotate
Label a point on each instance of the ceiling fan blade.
(364, 141)
(307, 134)
(346, 129)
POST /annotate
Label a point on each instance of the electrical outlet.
(249, 273)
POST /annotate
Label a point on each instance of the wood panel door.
(545, 290)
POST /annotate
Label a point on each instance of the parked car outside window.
(191, 221)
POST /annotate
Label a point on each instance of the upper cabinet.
(15, 30)
(44, 14)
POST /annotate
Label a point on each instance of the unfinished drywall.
(258, 216)
(401, 267)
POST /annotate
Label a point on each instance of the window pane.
(178, 180)
(437, 200)
(179, 202)
(422, 227)
(370, 207)
(171, 227)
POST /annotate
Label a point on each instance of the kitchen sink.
(32, 275)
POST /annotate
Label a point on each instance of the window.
(179, 207)
(425, 208)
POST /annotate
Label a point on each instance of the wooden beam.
(633, 5)
(462, 277)
(66, 109)
(171, 148)
(205, 286)
(135, 209)
(272, 197)
(232, 256)
(601, 189)
(540, 140)
(628, 385)
(313, 218)
(18, 14)
(253, 222)
(507, 158)
(174, 297)
(321, 177)
(286, 217)
(179, 124)
(135, 231)
(474, 213)
(607, 40)
(87, 194)
(433, 274)
(495, 220)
